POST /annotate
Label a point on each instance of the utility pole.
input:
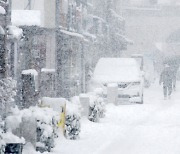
(28, 7)
(58, 53)
(58, 13)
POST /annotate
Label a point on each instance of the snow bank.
(29, 149)
(42, 114)
(26, 17)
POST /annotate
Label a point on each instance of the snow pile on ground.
(29, 149)
(149, 128)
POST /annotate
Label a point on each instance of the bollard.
(84, 100)
(112, 93)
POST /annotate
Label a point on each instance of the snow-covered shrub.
(47, 121)
(45, 127)
(96, 108)
(101, 107)
(72, 122)
(93, 110)
(7, 94)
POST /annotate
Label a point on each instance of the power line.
(29, 5)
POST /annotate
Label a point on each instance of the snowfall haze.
(90, 76)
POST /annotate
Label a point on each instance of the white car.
(125, 72)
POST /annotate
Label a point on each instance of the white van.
(123, 71)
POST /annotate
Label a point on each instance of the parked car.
(125, 72)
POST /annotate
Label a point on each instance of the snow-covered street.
(150, 128)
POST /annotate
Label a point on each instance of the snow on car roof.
(117, 70)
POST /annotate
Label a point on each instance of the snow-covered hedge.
(46, 126)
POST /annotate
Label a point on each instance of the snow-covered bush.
(45, 127)
(47, 123)
(72, 122)
(7, 94)
(96, 108)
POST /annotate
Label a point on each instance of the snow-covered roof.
(110, 70)
(26, 17)
(2, 10)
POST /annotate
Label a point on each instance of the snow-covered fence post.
(47, 87)
(84, 100)
(112, 93)
(29, 88)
